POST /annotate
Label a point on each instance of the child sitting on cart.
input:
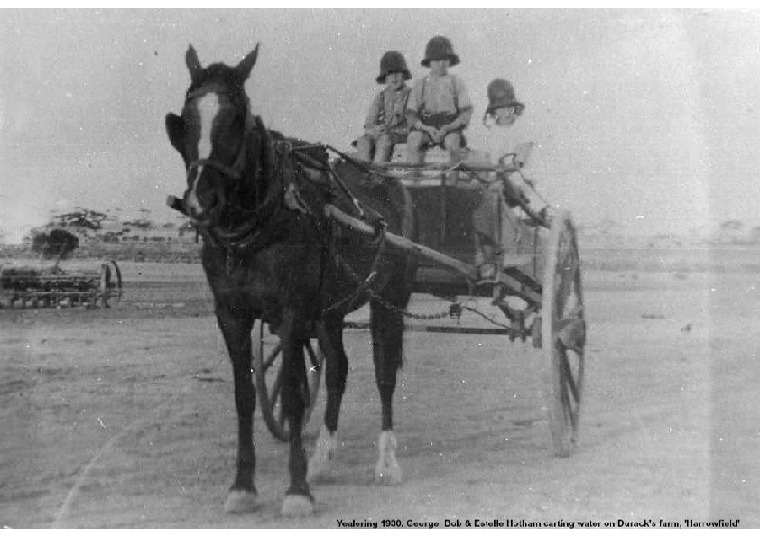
(386, 123)
(505, 148)
(439, 107)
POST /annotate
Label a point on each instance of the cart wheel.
(110, 284)
(563, 333)
(118, 285)
(103, 286)
(267, 367)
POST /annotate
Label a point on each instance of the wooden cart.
(543, 272)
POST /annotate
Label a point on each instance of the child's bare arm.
(461, 121)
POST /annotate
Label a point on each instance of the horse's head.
(210, 133)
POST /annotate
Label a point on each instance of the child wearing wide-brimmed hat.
(503, 108)
(506, 148)
(386, 124)
(439, 108)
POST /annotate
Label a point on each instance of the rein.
(285, 166)
(287, 170)
(234, 171)
(250, 234)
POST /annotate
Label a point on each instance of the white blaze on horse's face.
(208, 108)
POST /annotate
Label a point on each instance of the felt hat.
(440, 48)
(392, 61)
(501, 94)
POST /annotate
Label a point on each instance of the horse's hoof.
(296, 505)
(389, 475)
(387, 470)
(240, 501)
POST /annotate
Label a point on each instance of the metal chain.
(364, 287)
(419, 316)
(454, 309)
(486, 317)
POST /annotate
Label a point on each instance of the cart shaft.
(461, 166)
(402, 243)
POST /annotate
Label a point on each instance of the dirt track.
(126, 419)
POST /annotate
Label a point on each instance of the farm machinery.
(53, 287)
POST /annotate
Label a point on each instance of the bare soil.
(124, 418)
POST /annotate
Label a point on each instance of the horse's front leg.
(295, 397)
(235, 323)
(387, 346)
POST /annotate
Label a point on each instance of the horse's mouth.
(202, 219)
(205, 215)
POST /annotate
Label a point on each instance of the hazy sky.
(649, 117)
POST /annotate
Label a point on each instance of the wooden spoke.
(273, 355)
(268, 377)
(567, 377)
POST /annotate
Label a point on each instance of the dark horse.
(270, 253)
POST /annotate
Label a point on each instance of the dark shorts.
(427, 140)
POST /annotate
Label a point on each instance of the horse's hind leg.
(331, 341)
(235, 325)
(387, 346)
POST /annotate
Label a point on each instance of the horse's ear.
(175, 128)
(192, 62)
(245, 66)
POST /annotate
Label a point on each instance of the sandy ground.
(125, 418)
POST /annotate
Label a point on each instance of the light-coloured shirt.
(445, 94)
(388, 108)
(497, 141)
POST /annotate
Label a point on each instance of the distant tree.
(58, 243)
(732, 224)
(730, 231)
